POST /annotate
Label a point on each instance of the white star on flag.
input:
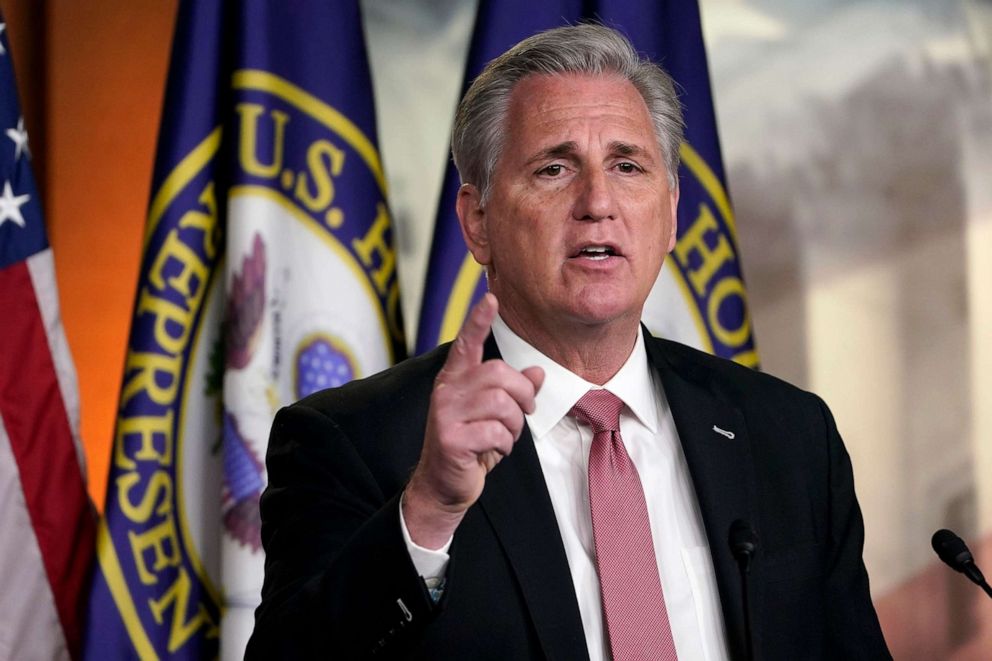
(20, 138)
(10, 205)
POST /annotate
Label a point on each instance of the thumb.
(536, 376)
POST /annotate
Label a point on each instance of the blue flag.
(699, 298)
(268, 273)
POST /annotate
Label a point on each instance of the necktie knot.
(600, 409)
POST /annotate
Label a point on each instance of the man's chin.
(603, 315)
(585, 310)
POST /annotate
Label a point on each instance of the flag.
(699, 298)
(46, 517)
(268, 273)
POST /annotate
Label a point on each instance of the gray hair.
(480, 121)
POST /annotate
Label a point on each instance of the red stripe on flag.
(36, 421)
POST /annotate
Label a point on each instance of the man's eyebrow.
(561, 150)
(569, 148)
(627, 149)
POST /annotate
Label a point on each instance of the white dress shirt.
(649, 435)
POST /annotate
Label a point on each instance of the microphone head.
(951, 549)
(742, 539)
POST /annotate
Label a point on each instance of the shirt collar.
(562, 388)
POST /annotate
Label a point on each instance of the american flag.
(48, 524)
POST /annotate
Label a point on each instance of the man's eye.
(627, 168)
(552, 170)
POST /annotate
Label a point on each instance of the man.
(562, 486)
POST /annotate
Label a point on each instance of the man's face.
(580, 215)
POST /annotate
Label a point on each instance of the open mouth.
(597, 252)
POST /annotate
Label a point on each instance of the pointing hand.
(476, 415)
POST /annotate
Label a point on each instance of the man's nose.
(595, 197)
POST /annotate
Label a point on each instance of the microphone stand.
(743, 544)
(988, 590)
(747, 616)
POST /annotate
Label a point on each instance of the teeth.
(596, 252)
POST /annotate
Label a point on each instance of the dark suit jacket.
(340, 584)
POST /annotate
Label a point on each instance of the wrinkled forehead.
(546, 90)
(545, 109)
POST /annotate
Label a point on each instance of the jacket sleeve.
(853, 630)
(339, 582)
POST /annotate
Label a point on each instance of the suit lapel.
(518, 506)
(721, 469)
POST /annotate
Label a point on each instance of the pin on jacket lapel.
(722, 471)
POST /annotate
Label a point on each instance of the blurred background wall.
(857, 139)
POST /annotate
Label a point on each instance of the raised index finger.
(467, 348)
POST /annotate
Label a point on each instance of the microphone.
(743, 543)
(954, 552)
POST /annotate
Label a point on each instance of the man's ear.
(673, 200)
(472, 218)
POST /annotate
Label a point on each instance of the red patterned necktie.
(633, 603)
